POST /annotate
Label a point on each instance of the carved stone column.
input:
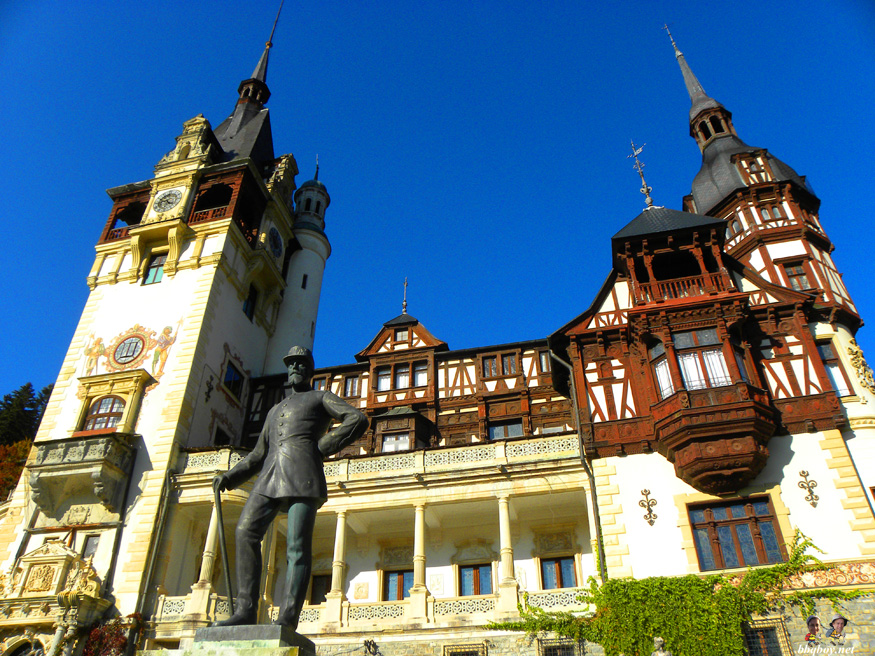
(197, 605)
(508, 595)
(335, 597)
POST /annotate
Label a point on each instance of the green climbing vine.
(695, 614)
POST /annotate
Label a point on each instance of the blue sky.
(477, 148)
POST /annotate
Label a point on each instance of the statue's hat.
(299, 352)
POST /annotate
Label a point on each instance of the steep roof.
(656, 220)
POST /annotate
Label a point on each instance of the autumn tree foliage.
(20, 414)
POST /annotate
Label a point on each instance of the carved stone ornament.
(40, 578)
(395, 556)
(863, 371)
(554, 542)
(63, 468)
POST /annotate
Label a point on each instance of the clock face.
(167, 200)
(276, 242)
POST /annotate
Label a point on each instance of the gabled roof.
(657, 220)
(382, 343)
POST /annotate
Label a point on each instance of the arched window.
(318, 206)
(307, 204)
(715, 123)
(706, 132)
(105, 412)
(218, 195)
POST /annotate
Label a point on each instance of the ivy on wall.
(694, 614)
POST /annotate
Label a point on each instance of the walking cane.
(221, 526)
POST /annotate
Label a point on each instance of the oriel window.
(700, 358)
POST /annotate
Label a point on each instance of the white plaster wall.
(653, 550)
(861, 444)
(786, 249)
(828, 525)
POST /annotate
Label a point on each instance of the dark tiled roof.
(661, 219)
(246, 133)
(401, 320)
(719, 176)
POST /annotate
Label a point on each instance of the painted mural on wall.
(130, 349)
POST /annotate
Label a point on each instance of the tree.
(21, 412)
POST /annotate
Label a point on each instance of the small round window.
(128, 350)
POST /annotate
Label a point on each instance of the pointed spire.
(260, 72)
(699, 98)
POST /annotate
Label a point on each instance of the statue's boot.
(287, 617)
(244, 614)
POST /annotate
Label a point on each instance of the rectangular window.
(90, 546)
(396, 585)
(396, 442)
(384, 379)
(351, 386)
(250, 302)
(738, 534)
(834, 368)
(490, 366)
(319, 587)
(465, 650)
(508, 364)
(796, 276)
(155, 269)
(233, 381)
(500, 430)
(558, 573)
(701, 367)
(319, 383)
(402, 376)
(767, 637)
(475, 580)
(420, 374)
(304, 282)
(544, 361)
(559, 647)
(401, 334)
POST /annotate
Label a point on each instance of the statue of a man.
(288, 461)
(659, 648)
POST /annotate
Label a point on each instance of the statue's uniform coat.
(287, 453)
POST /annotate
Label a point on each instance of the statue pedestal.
(246, 640)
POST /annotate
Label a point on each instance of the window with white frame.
(700, 359)
(393, 442)
(420, 374)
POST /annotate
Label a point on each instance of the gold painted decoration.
(863, 370)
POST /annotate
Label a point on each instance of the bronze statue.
(288, 461)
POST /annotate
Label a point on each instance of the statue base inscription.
(246, 640)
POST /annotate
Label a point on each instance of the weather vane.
(677, 51)
(404, 303)
(640, 168)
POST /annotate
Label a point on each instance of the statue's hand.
(220, 483)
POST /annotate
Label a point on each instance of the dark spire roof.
(657, 220)
(315, 182)
(699, 98)
(402, 319)
(246, 133)
(719, 176)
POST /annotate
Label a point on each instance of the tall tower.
(771, 212)
(204, 275)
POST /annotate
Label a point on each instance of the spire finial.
(316, 177)
(640, 168)
(273, 29)
(404, 303)
(677, 51)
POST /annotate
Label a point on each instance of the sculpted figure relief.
(288, 461)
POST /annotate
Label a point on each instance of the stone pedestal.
(251, 640)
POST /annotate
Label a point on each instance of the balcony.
(716, 437)
(207, 215)
(678, 288)
(96, 466)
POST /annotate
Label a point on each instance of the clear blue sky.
(478, 148)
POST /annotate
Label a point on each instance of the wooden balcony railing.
(207, 215)
(664, 290)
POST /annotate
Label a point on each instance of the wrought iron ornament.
(647, 503)
(809, 486)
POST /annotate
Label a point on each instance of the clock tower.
(204, 275)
